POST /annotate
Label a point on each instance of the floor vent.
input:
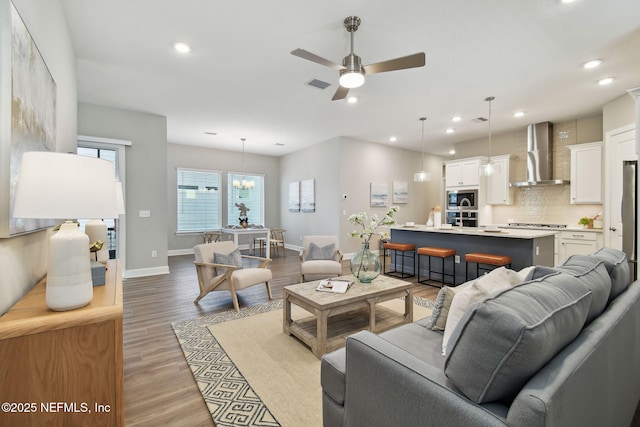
(319, 84)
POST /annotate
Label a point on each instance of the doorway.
(112, 150)
(621, 146)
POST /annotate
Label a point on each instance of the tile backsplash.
(544, 205)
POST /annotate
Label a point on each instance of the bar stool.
(441, 253)
(404, 249)
(485, 259)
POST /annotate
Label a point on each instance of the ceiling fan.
(352, 71)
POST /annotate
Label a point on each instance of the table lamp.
(63, 186)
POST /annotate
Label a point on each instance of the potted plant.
(586, 222)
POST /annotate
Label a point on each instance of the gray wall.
(185, 156)
(618, 112)
(23, 259)
(146, 180)
(348, 166)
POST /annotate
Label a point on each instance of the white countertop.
(576, 228)
(516, 233)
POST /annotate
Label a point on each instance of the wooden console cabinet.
(64, 368)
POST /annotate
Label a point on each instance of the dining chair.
(277, 241)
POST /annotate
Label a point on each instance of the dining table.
(250, 231)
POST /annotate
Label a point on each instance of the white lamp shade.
(61, 186)
(119, 198)
(421, 176)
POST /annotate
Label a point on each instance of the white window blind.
(199, 200)
(252, 198)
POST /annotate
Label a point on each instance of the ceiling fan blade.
(315, 58)
(341, 93)
(411, 61)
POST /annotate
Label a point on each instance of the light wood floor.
(159, 388)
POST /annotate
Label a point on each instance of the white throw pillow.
(478, 290)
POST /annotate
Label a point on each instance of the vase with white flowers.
(365, 265)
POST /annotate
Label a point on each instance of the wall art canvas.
(379, 194)
(294, 196)
(27, 113)
(307, 196)
(400, 192)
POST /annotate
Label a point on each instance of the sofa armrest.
(386, 386)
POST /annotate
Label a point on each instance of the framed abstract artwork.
(27, 113)
(294, 196)
(379, 194)
(307, 196)
(400, 191)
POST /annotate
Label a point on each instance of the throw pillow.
(234, 258)
(321, 252)
(438, 319)
(479, 289)
(504, 340)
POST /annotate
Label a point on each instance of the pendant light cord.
(489, 99)
(422, 119)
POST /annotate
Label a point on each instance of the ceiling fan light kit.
(352, 71)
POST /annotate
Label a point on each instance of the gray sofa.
(560, 349)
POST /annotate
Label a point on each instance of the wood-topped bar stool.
(405, 249)
(492, 260)
(441, 253)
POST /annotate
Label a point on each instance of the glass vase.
(365, 265)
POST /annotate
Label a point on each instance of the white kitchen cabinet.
(499, 192)
(463, 173)
(578, 243)
(586, 173)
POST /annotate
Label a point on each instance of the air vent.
(480, 120)
(279, 144)
(319, 84)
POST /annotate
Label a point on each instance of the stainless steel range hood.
(539, 157)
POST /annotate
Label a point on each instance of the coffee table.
(344, 314)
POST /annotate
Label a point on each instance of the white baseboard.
(181, 252)
(142, 272)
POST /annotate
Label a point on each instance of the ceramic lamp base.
(69, 282)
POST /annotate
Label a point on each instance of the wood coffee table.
(344, 314)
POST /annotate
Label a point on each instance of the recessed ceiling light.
(518, 114)
(456, 119)
(605, 81)
(181, 47)
(449, 130)
(452, 152)
(352, 99)
(567, 1)
(393, 139)
(592, 64)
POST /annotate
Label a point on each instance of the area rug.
(252, 374)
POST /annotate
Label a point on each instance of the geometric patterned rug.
(227, 394)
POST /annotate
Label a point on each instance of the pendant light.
(422, 176)
(244, 184)
(488, 169)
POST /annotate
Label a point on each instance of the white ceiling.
(241, 81)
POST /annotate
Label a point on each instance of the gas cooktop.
(531, 225)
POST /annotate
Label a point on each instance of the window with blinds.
(199, 200)
(248, 189)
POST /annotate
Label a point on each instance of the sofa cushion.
(504, 340)
(592, 272)
(321, 252)
(618, 267)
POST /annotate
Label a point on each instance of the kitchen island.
(525, 247)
